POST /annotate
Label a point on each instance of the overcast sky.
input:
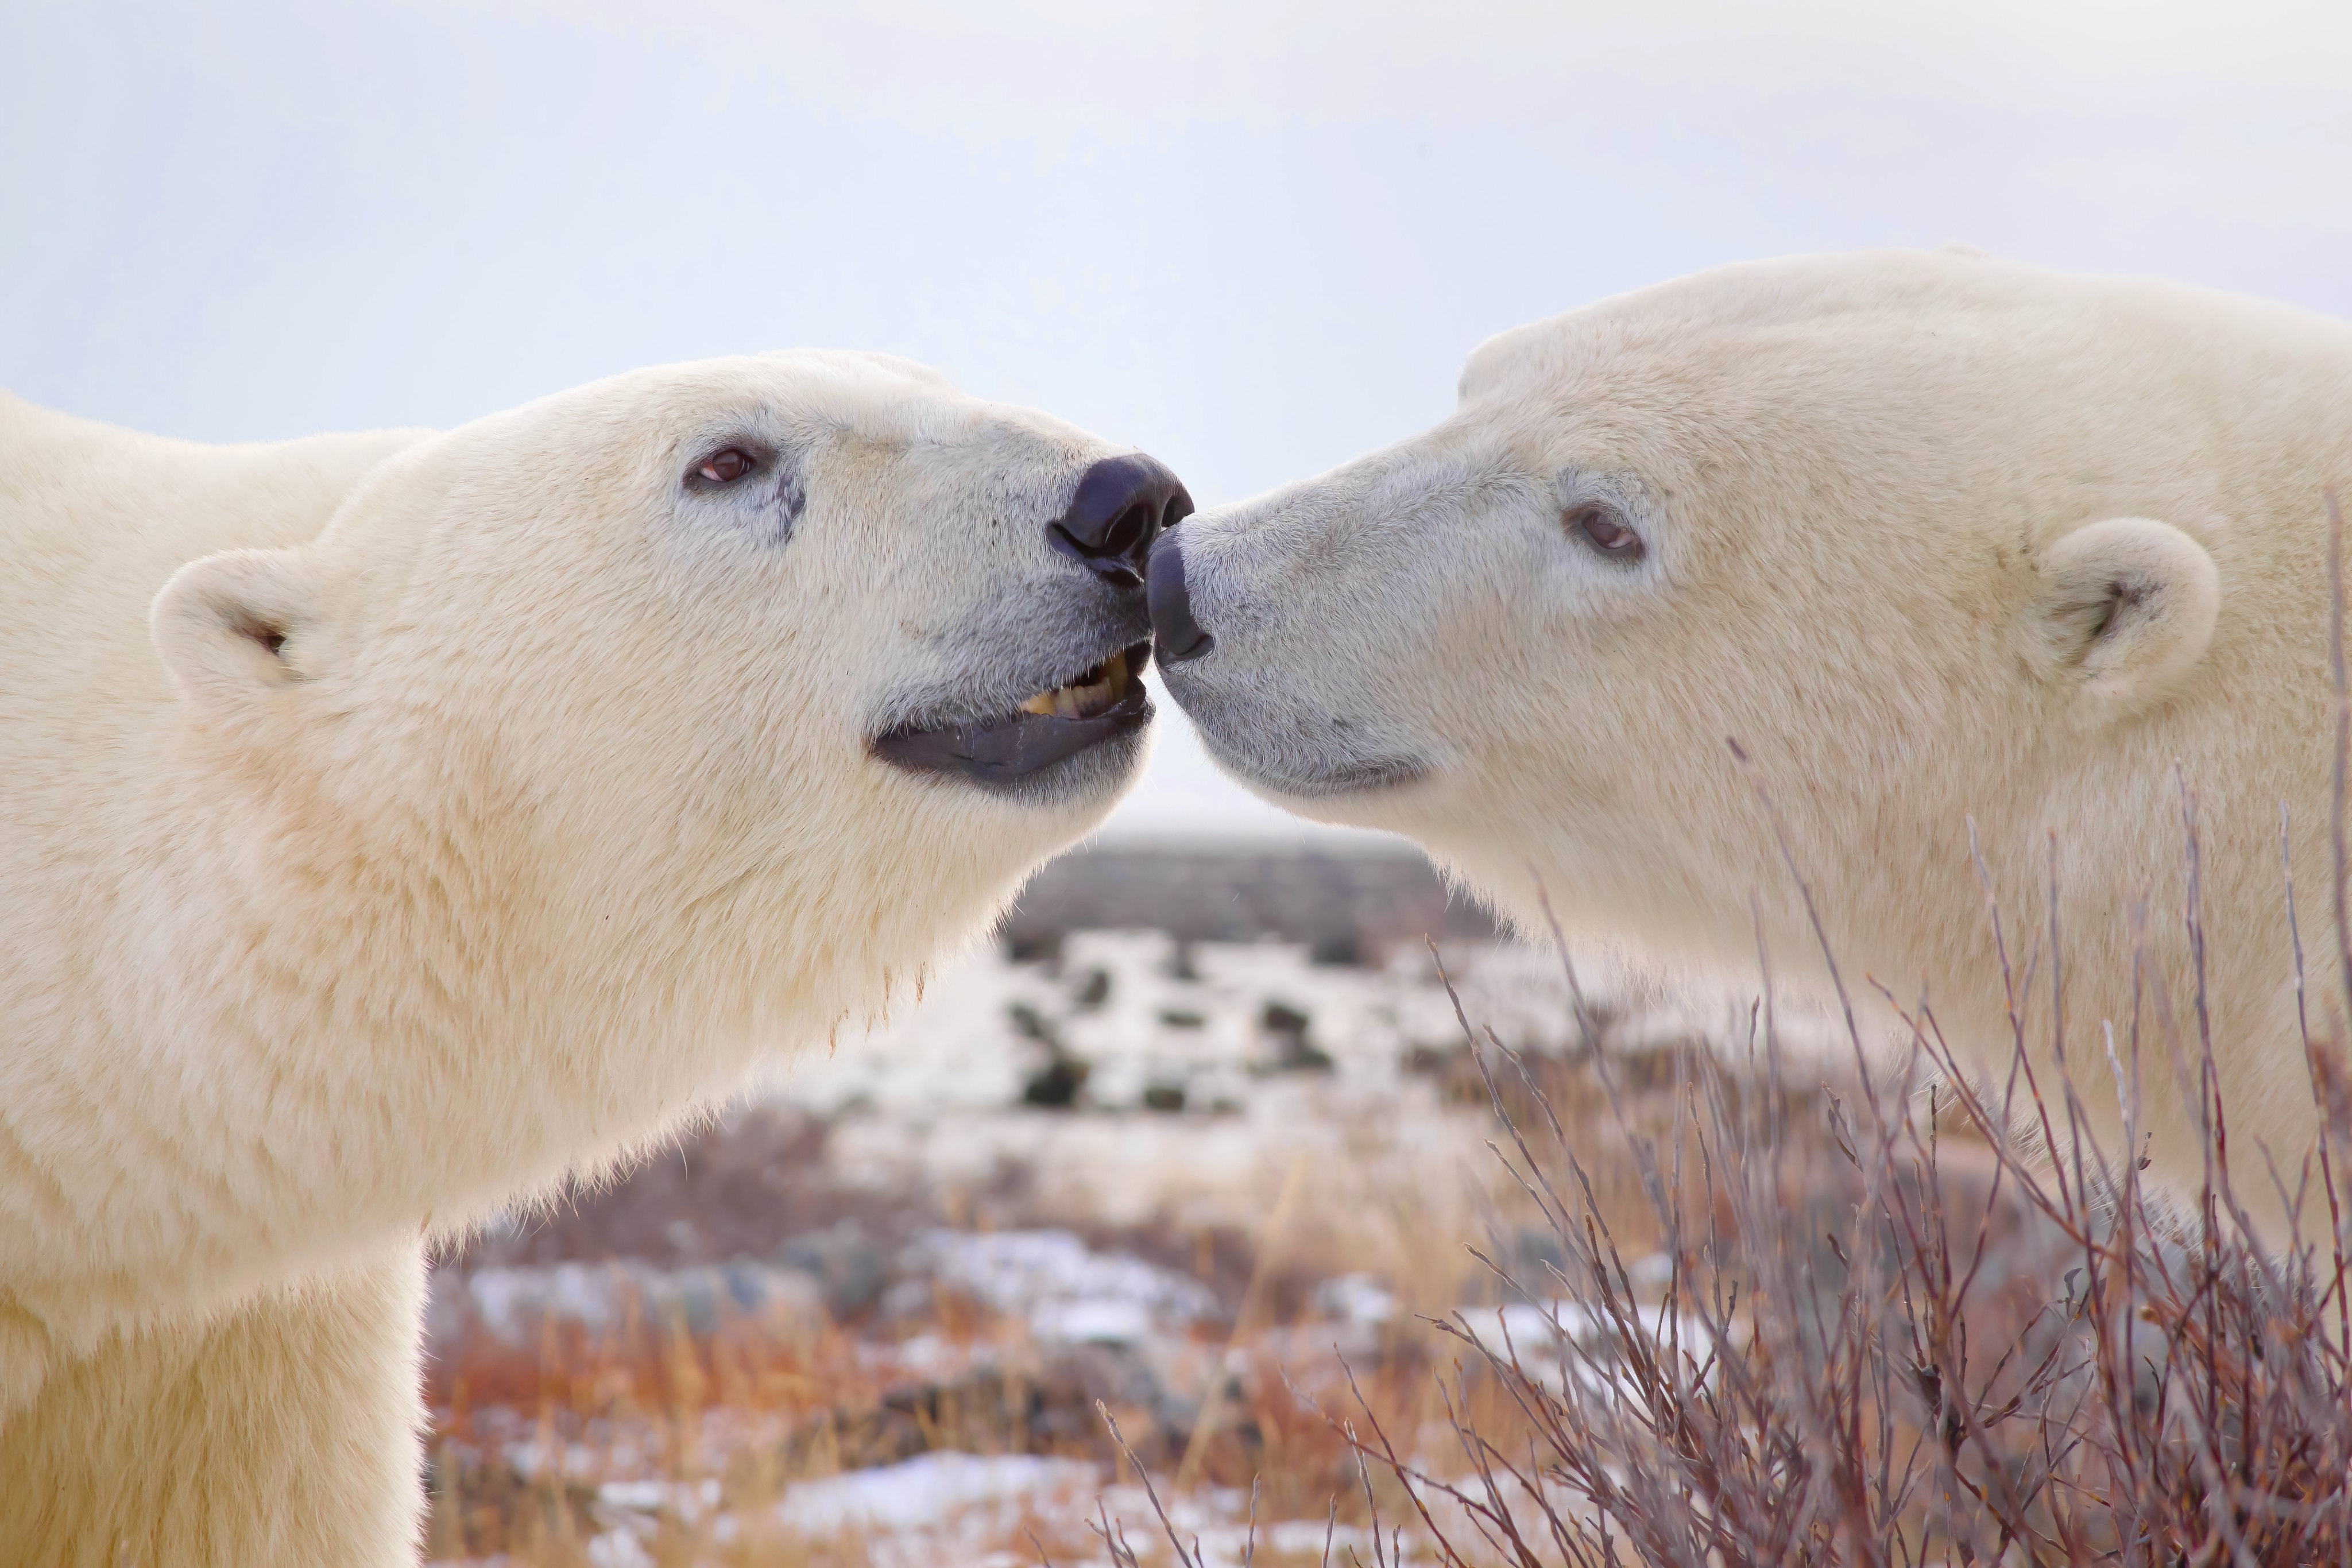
(1255, 237)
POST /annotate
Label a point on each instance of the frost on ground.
(956, 1508)
(869, 1316)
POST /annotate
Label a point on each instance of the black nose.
(1122, 505)
(1175, 635)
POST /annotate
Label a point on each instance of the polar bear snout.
(1122, 506)
(1257, 626)
(1046, 701)
(1175, 635)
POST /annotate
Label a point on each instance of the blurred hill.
(1348, 905)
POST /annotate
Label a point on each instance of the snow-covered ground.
(1017, 1157)
(1210, 1070)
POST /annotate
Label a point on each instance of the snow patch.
(934, 1490)
(511, 1302)
(1067, 1292)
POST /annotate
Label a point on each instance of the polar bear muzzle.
(1120, 507)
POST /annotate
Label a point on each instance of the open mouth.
(1105, 703)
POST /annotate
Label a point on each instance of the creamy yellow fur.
(1935, 537)
(550, 810)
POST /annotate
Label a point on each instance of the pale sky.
(1255, 237)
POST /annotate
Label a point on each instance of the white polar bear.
(467, 807)
(1937, 539)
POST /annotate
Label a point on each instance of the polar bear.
(1949, 545)
(392, 823)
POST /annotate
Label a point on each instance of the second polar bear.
(389, 823)
(1940, 541)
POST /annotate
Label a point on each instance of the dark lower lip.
(1020, 745)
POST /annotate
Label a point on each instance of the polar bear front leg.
(283, 1433)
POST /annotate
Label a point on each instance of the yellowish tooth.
(1082, 701)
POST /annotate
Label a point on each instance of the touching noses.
(1122, 505)
(1175, 635)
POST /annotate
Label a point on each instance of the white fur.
(1935, 538)
(392, 823)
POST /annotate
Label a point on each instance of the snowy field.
(868, 1318)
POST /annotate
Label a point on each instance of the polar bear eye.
(723, 468)
(1601, 529)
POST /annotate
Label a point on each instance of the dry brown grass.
(760, 1405)
(1904, 1342)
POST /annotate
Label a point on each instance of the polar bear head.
(747, 680)
(1926, 534)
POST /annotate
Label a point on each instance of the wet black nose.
(1175, 635)
(1122, 505)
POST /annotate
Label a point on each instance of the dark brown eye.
(725, 465)
(1605, 532)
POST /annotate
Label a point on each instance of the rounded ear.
(2126, 608)
(222, 624)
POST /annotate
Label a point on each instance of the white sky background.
(1253, 238)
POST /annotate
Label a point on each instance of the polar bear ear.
(2126, 608)
(222, 624)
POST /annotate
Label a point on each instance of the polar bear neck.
(320, 981)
